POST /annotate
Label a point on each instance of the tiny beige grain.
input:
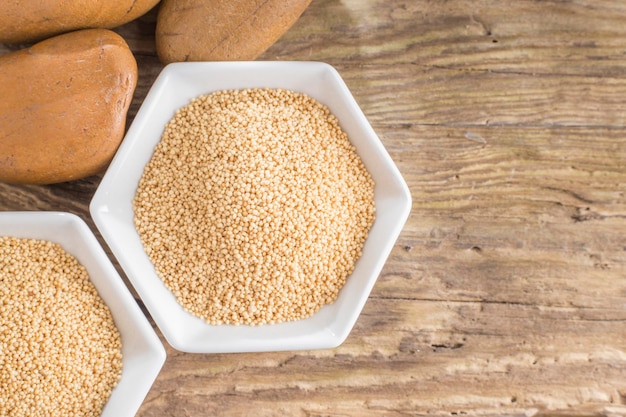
(254, 207)
(60, 351)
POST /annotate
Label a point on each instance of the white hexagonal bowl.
(112, 211)
(143, 353)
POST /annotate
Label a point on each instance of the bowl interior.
(143, 353)
(112, 208)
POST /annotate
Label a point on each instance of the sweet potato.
(25, 21)
(214, 30)
(64, 106)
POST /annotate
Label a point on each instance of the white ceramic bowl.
(112, 209)
(143, 352)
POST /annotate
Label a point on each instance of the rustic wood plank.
(441, 96)
(441, 359)
(528, 36)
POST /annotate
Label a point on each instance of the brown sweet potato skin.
(64, 105)
(215, 30)
(26, 21)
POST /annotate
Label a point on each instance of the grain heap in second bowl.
(254, 207)
(60, 351)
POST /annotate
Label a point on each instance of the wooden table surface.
(506, 291)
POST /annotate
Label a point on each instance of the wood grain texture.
(506, 291)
